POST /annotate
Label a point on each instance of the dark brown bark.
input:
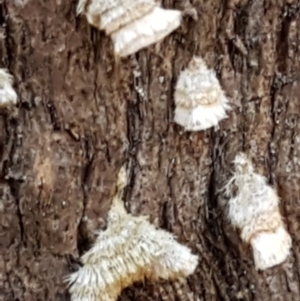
(82, 116)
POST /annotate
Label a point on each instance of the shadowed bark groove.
(82, 115)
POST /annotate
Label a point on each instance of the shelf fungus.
(255, 212)
(200, 101)
(129, 250)
(8, 95)
(132, 25)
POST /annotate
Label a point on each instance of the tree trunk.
(82, 115)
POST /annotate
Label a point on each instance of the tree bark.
(82, 115)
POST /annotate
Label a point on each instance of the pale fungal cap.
(145, 31)
(271, 248)
(8, 95)
(200, 101)
(129, 250)
(255, 212)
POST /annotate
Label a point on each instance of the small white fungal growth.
(254, 210)
(8, 95)
(133, 25)
(200, 101)
(129, 250)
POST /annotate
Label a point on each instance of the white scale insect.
(132, 25)
(255, 212)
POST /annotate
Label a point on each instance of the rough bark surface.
(82, 115)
